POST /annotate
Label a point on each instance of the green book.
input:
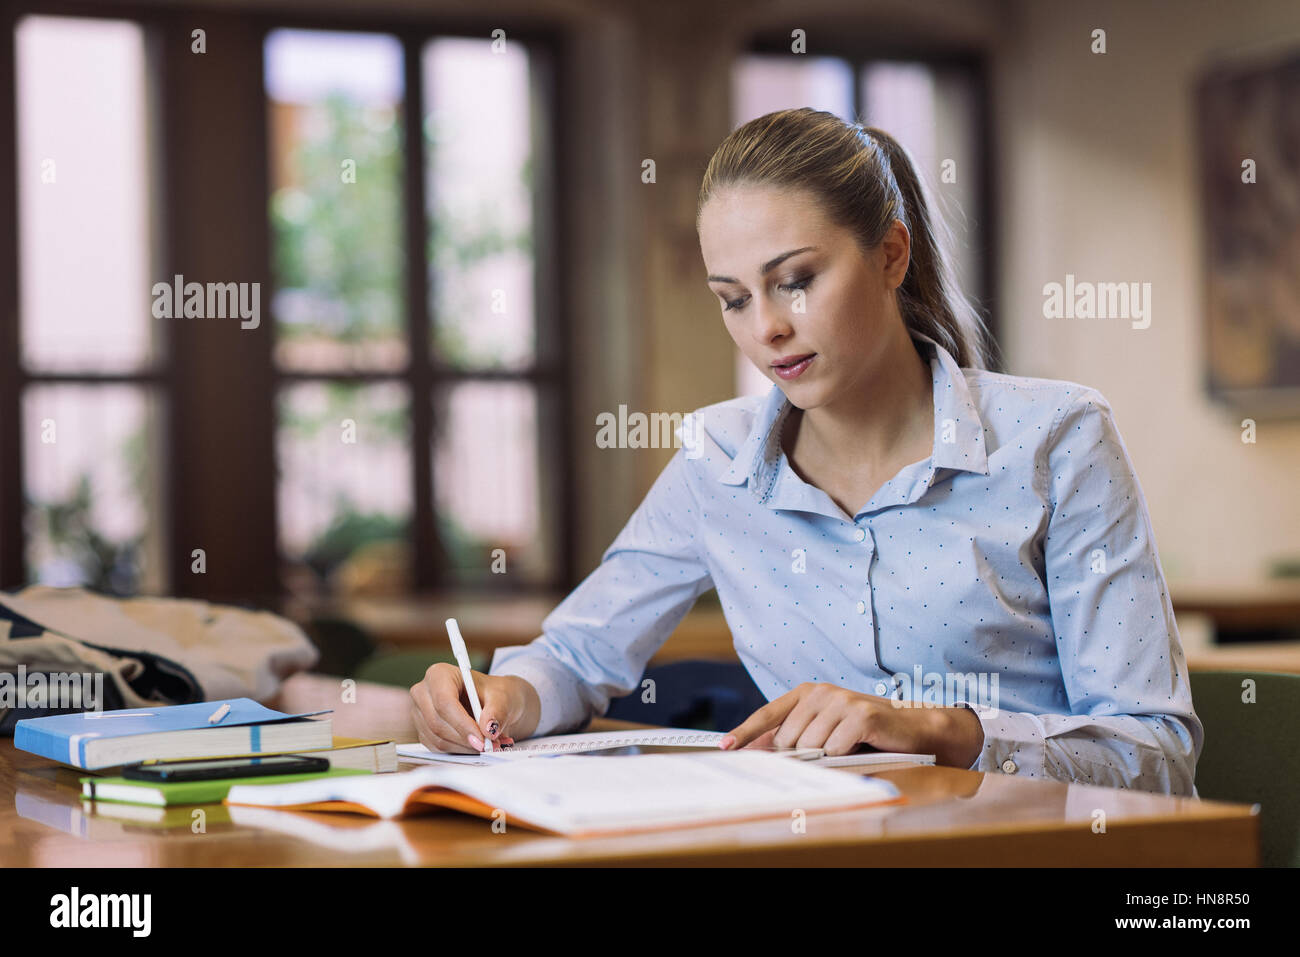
(189, 792)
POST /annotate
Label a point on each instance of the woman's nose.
(770, 321)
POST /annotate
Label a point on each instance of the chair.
(343, 645)
(1251, 754)
(706, 695)
(405, 668)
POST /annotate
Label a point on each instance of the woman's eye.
(804, 283)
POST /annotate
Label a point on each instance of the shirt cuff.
(562, 708)
(1013, 742)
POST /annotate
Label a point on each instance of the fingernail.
(494, 728)
(474, 740)
(726, 742)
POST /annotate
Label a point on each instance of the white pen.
(219, 714)
(462, 658)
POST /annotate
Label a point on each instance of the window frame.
(549, 375)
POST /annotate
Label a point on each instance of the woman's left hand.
(837, 720)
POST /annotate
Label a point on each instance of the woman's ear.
(897, 249)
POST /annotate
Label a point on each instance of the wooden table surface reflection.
(954, 817)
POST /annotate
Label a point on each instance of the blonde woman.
(912, 553)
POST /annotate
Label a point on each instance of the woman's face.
(794, 286)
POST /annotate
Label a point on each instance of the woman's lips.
(795, 370)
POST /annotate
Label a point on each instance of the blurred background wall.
(1099, 179)
(547, 282)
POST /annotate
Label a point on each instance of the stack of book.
(104, 741)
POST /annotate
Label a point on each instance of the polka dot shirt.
(1013, 571)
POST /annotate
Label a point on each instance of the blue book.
(104, 739)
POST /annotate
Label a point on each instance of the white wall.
(1097, 177)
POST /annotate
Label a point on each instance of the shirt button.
(1009, 767)
(881, 688)
(862, 535)
(862, 608)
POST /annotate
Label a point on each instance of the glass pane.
(487, 479)
(933, 113)
(899, 97)
(333, 106)
(479, 183)
(83, 195)
(764, 83)
(345, 487)
(90, 455)
(749, 379)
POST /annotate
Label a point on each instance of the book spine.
(37, 741)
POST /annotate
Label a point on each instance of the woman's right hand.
(441, 713)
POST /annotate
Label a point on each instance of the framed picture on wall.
(1248, 148)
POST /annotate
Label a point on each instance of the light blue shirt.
(1014, 571)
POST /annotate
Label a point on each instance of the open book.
(584, 795)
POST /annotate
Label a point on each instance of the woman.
(912, 553)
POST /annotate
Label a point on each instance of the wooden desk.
(954, 817)
(1277, 656)
(409, 624)
(1256, 603)
(488, 623)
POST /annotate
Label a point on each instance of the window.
(933, 106)
(410, 413)
(401, 426)
(90, 404)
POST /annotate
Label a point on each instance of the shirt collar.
(958, 428)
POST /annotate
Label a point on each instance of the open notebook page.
(572, 744)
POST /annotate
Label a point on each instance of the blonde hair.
(864, 180)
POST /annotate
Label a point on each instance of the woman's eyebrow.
(767, 266)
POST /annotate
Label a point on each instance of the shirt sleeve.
(595, 644)
(1131, 722)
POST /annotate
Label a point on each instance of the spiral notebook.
(631, 742)
(572, 744)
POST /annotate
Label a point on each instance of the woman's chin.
(800, 396)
